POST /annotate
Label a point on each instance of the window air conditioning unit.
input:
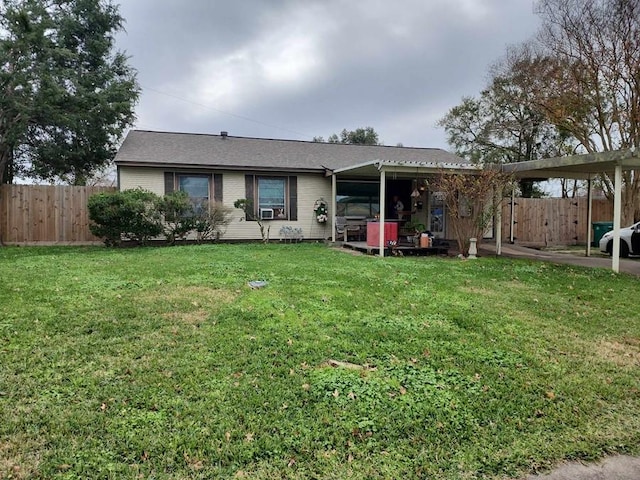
(266, 213)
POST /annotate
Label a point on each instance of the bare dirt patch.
(14, 462)
(351, 251)
(195, 317)
(625, 353)
(195, 292)
(191, 305)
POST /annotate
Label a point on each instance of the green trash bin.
(599, 229)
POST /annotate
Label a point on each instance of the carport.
(583, 167)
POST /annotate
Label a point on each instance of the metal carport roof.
(586, 167)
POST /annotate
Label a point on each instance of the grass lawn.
(162, 363)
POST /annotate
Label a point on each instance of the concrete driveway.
(596, 260)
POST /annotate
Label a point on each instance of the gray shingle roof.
(146, 148)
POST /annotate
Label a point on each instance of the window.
(272, 196)
(358, 199)
(197, 187)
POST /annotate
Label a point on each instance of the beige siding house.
(285, 179)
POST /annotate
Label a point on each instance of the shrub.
(246, 205)
(130, 214)
(210, 223)
(140, 215)
(179, 215)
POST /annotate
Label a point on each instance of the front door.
(436, 214)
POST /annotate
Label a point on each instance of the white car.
(629, 241)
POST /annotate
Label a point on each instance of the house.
(286, 179)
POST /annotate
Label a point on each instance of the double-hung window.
(272, 197)
(198, 188)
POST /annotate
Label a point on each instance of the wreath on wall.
(321, 211)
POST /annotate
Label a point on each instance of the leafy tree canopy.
(572, 89)
(503, 124)
(66, 95)
(359, 136)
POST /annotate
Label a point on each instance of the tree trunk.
(526, 188)
(6, 164)
(6, 173)
(630, 195)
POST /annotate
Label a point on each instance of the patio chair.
(348, 230)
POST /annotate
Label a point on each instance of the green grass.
(163, 364)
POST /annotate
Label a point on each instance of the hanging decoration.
(321, 210)
(415, 194)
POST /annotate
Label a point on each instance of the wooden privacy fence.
(552, 221)
(44, 214)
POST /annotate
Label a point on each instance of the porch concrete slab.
(596, 260)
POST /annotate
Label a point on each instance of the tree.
(589, 81)
(246, 205)
(504, 125)
(359, 136)
(471, 200)
(67, 97)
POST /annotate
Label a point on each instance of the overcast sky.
(296, 69)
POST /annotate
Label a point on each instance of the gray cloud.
(295, 69)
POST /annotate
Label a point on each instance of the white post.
(473, 249)
(513, 220)
(617, 209)
(589, 214)
(383, 203)
(334, 206)
(497, 225)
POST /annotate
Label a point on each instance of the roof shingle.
(201, 150)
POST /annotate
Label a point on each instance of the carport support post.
(383, 203)
(589, 214)
(617, 209)
(497, 224)
(512, 224)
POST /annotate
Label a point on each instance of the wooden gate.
(552, 221)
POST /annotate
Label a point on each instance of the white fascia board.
(357, 166)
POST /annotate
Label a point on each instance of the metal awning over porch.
(373, 168)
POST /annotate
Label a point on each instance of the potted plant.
(418, 228)
(413, 231)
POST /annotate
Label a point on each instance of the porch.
(400, 249)
(369, 197)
